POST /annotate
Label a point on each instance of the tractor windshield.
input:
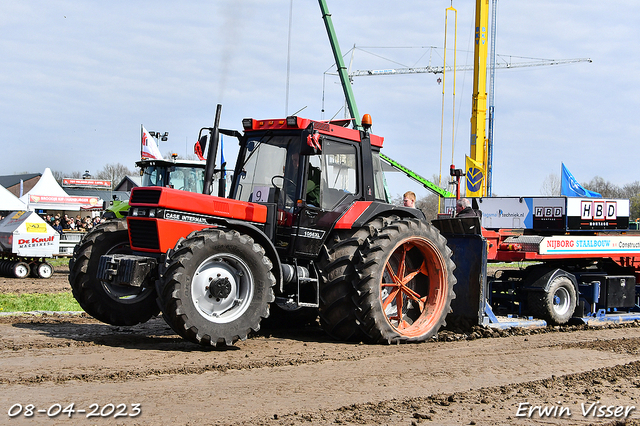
(185, 178)
(268, 169)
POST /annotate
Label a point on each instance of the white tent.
(24, 233)
(47, 194)
(8, 201)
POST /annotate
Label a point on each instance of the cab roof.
(333, 128)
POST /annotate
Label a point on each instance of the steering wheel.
(283, 180)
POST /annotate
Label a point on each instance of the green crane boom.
(353, 109)
(342, 69)
(416, 177)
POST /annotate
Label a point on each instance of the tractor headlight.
(143, 212)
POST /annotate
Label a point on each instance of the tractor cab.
(185, 175)
(308, 173)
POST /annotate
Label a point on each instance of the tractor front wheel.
(107, 302)
(217, 287)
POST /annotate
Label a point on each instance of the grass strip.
(57, 302)
(60, 261)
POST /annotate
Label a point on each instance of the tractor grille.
(144, 234)
(145, 196)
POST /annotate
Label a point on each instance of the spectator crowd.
(68, 223)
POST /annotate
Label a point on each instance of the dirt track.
(300, 377)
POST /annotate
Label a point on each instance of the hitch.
(126, 269)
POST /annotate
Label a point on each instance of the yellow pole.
(476, 179)
(455, 38)
(455, 65)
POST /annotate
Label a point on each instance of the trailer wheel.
(44, 270)
(406, 282)
(556, 305)
(21, 270)
(110, 303)
(337, 307)
(217, 287)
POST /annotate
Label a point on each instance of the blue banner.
(223, 165)
(571, 188)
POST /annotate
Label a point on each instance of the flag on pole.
(200, 146)
(571, 188)
(223, 163)
(475, 177)
(149, 147)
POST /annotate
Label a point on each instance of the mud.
(58, 282)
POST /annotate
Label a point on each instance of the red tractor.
(306, 227)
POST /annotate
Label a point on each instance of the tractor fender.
(362, 212)
(260, 238)
(540, 279)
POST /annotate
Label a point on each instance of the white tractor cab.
(185, 175)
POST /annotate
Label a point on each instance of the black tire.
(21, 269)
(242, 295)
(556, 306)
(110, 303)
(405, 282)
(337, 292)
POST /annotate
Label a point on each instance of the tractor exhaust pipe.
(211, 154)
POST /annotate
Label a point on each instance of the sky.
(78, 79)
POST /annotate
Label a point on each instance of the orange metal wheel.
(413, 288)
(406, 282)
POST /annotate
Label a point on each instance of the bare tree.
(429, 206)
(632, 192)
(396, 200)
(551, 186)
(604, 188)
(114, 172)
(432, 202)
(59, 176)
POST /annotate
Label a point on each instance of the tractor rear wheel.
(107, 302)
(405, 282)
(217, 287)
(337, 293)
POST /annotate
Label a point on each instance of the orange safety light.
(366, 121)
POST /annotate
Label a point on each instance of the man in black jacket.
(463, 208)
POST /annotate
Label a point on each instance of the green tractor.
(185, 175)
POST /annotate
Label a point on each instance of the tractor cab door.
(307, 189)
(329, 185)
